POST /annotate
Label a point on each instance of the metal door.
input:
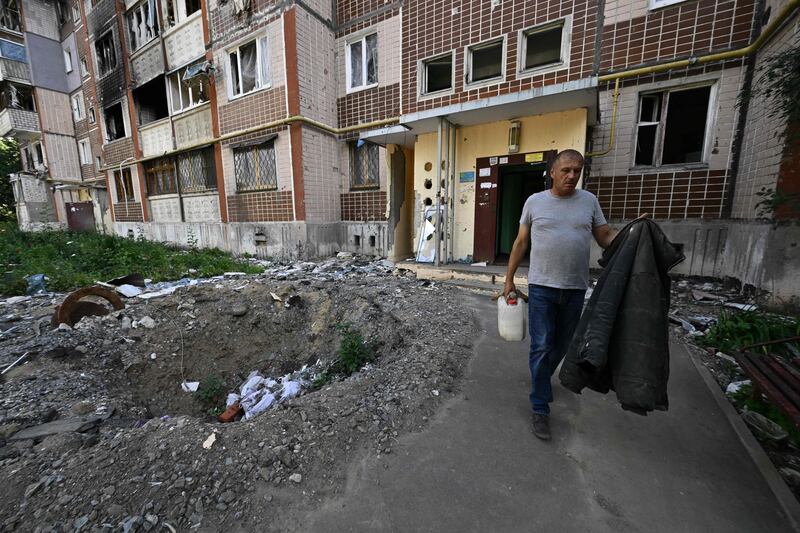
(80, 216)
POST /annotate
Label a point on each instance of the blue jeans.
(553, 315)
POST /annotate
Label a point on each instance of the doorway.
(515, 184)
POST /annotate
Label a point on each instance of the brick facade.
(128, 212)
(369, 105)
(271, 206)
(366, 206)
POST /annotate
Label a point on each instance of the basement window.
(150, 102)
(177, 11)
(364, 165)
(142, 23)
(362, 63)
(544, 46)
(436, 74)
(114, 122)
(249, 67)
(124, 185)
(106, 55)
(160, 176)
(672, 125)
(255, 168)
(485, 61)
(187, 93)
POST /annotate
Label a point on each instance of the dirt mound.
(153, 462)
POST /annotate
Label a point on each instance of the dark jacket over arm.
(622, 340)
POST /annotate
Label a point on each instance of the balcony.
(19, 123)
(16, 71)
(9, 17)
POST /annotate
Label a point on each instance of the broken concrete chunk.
(79, 424)
(147, 322)
(764, 427)
(239, 310)
(209, 442)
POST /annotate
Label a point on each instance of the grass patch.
(74, 259)
(211, 395)
(734, 331)
(352, 355)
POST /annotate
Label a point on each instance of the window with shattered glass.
(106, 54)
(362, 62)
(255, 168)
(187, 93)
(364, 165)
(143, 23)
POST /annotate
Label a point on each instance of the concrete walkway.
(478, 467)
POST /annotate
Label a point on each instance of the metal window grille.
(364, 166)
(197, 171)
(255, 167)
(160, 175)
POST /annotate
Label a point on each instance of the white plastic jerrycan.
(511, 315)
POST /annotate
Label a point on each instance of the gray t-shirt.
(561, 236)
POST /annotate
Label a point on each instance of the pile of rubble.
(99, 427)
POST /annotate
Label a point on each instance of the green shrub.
(734, 331)
(211, 394)
(352, 355)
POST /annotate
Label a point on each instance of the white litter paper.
(190, 386)
(290, 389)
(736, 386)
(129, 291)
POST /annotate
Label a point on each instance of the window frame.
(354, 166)
(68, 62)
(154, 172)
(261, 84)
(15, 9)
(658, 147)
(84, 152)
(468, 83)
(125, 125)
(179, 10)
(21, 46)
(360, 38)
(129, 16)
(76, 104)
(100, 72)
(91, 114)
(130, 193)
(180, 73)
(652, 5)
(76, 13)
(243, 188)
(422, 76)
(566, 46)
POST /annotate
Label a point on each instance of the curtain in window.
(263, 61)
(356, 65)
(247, 60)
(372, 58)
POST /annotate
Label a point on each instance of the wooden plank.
(765, 382)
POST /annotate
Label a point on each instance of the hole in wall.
(428, 201)
(428, 184)
(372, 241)
(357, 240)
(260, 238)
(130, 234)
(428, 166)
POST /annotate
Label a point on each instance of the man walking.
(558, 224)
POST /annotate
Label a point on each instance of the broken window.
(124, 185)
(543, 46)
(62, 12)
(160, 176)
(9, 15)
(17, 97)
(485, 61)
(68, 60)
(254, 167)
(143, 23)
(92, 116)
(11, 50)
(437, 74)
(362, 62)
(364, 165)
(76, 102)
(187, 92)
(672, 127)
(76, 14)
(249, 67)
(84, 68)
(106, 55)
(150, 102)
(179, 10)
(197, 171)
(85, 152)
(115, 122)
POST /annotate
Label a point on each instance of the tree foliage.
(9, 163)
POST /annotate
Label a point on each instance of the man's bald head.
(570, 155)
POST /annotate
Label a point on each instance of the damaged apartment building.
(400, 128)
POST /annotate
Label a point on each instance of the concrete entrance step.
(490, 277)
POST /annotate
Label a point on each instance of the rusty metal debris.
(73, 308)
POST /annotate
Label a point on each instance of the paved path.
(478, 467)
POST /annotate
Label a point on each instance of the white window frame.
(263, 79)
(566, 46)
(422, 76)
(180, 12)
(131, 12)
(76, 14)
(468, 83)
(711, 117)
(658, 4)
(92, 115)
(68, 66)
(78, 111)
(360, 38)
(84, 67)
(84, 152)
(179, 73)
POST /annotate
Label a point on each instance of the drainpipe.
(124, 187)
(437, 255)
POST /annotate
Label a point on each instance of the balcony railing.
(14, 71)
(19, 123)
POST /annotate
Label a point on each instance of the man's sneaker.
(541, 426)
